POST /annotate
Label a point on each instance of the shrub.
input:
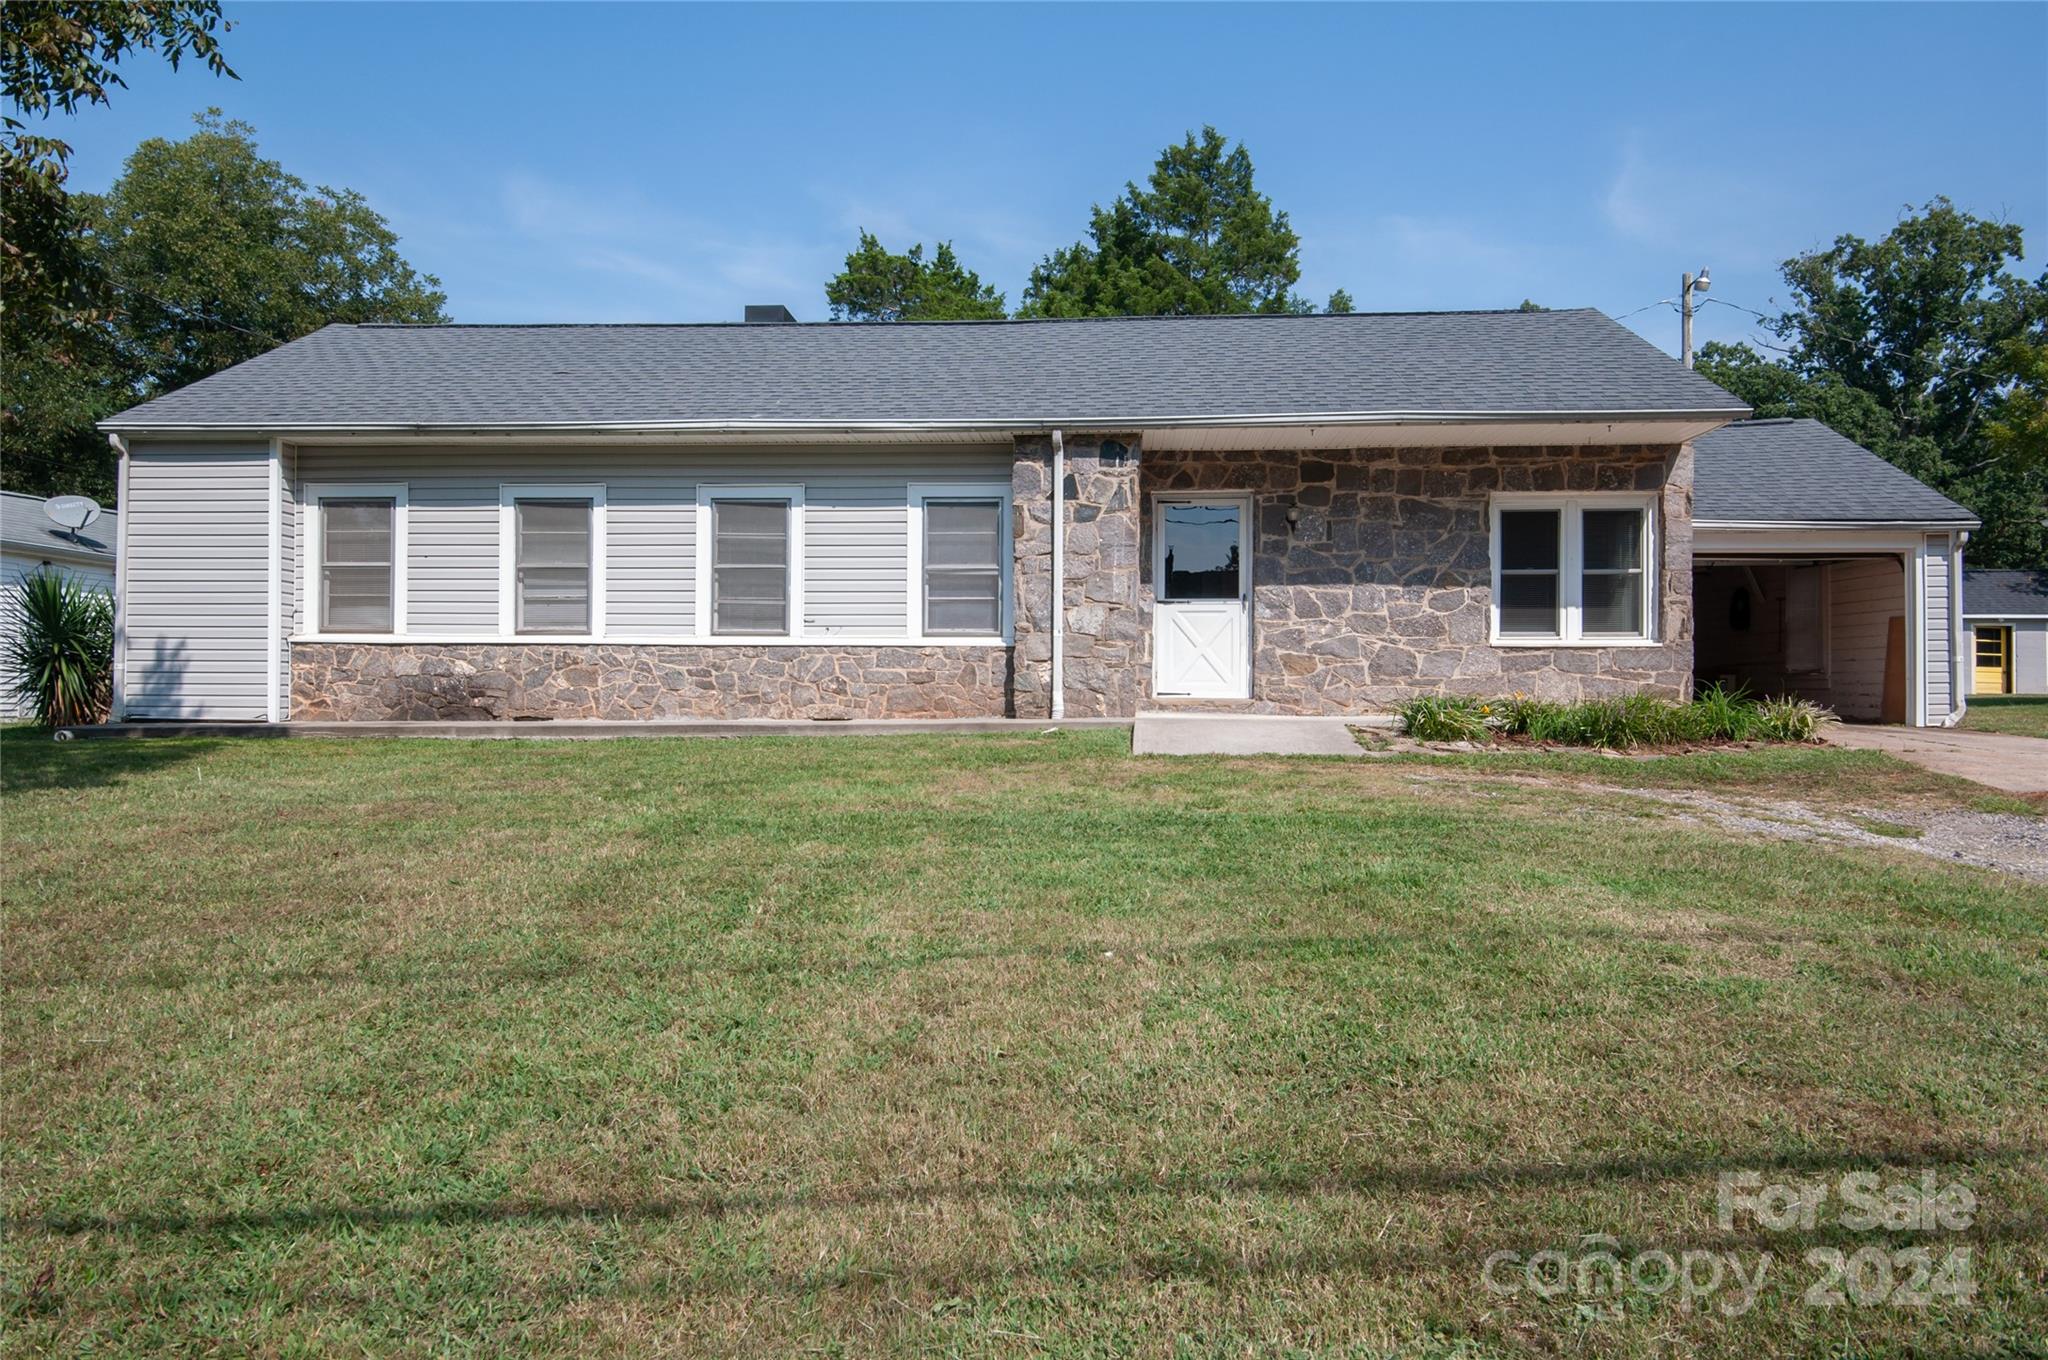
(1440, 719)
(1791, 720)
(1720, 714)
(60, 652)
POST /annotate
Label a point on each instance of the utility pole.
(1688, 285)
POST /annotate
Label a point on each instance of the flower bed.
(1715, 716)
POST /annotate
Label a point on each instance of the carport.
(1822, 571)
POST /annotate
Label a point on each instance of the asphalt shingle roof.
(1800, 471)
(25, 528)
(2004, 594)
(1102, 372)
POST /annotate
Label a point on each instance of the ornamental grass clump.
(1435, 718)
(1797, 720)
(60, 651)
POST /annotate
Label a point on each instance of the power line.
(191, 314)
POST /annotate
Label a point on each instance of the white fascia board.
(1017, 425)
(57, 552)
(1835, 525)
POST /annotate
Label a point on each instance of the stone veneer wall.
(443, 682)
(1382, 590)
(1106, 651)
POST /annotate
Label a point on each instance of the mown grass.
(2019, 715)
(1005, 1045)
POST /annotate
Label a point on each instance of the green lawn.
(2023, 715)
(976, 1046)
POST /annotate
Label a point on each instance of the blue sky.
(601, 162)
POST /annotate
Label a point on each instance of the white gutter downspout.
(1059, 575)
(116, 708)
(1958, 666)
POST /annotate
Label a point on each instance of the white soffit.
(1426, 434)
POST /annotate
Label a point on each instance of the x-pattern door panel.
(1201, 627)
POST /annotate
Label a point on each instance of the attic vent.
(773, 313)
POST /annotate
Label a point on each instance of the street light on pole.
(1690, 284)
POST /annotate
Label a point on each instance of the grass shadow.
(32, 761)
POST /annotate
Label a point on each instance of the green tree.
(1339, 304)
(218, 255)
(1200, 238)
(1531, 305)
(879, 285)
(59, 371)
(211, 255)
(56, 55)
(1924, 347)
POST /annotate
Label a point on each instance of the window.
(749, 556)
(551, 560)
(1611, 572)
(553, 567)
(1531, 561)
(750, 567)
(1568, 569)
(354, 538)
(356, 565)
(960, 555)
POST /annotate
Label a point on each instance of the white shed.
(2005, 614)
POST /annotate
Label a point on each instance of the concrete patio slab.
(2014, 764)
(1235, 734)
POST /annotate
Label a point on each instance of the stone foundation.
(452, 682)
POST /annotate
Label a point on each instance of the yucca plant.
(60, 649)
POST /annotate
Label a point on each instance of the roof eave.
(1015, 425)
(1966, 522)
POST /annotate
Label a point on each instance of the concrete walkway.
(580, 730)
(1241, 734)
(2015, 764)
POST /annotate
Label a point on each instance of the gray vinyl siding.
(855, 555)
(197, 578)
(2030, 656)
(1939, 627)
(651, 557)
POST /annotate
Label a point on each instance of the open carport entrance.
(1832, 629)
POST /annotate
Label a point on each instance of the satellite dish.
(72, 512)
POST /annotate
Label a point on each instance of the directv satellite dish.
(72, 513)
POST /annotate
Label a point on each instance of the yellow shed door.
(1994, 661)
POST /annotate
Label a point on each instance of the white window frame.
(707, 494)
(1570, 559)
(921, 492)
(312, 495)
(509, 496)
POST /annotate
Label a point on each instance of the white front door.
(1201, 575)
